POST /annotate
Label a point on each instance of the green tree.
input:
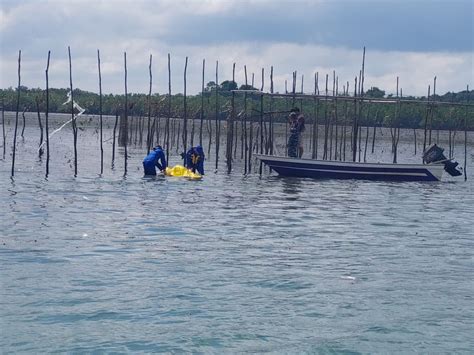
(228, 85)
(246, 87)
(375, 92)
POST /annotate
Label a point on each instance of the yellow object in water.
(181, 171)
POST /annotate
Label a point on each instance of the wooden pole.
(336, 119)
(24, 122)
(125, 112)
(326, 123)
(426, 119)
(3, 126)
(314, 154)
(167, 129)
(230, 127)
(185, 111)
(271, 115)
(73, 116)
(246, 147)
(17, 110)
(47, 114)
(40, 124)
(431, 112)
(202, 101)
(218, 130)
(113, 138)
(149, 136)
(261, 122)
(100, 116)
(465, 135)
(355, 128)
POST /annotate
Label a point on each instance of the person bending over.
(194, 159)
(155, 158)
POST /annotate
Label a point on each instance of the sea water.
(230, 263)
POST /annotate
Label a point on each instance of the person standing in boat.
(194, 159)
(295, 140)
(156, 158)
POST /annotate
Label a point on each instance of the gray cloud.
(297, 35)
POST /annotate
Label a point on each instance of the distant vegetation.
(411, 115)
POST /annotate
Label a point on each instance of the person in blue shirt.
(155, 158)
(194, 159)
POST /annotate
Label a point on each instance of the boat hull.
(323, 169)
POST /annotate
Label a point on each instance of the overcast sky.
(413, 39)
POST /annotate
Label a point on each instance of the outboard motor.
(434, 154)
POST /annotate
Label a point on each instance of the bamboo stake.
(185, 111)
(125, 113)
(40, 124)
(261, 123)
(354, 124)
(314, 154)
(100, 116)
(271, 115)
(336, 119)
(360, 138)
(326, 123)
(218, 124)
(465, 137)
(428, 108)
(113, 139)
(3, 126)
(149, 139)
(167, 129)
(47, 115)
(230, 128)
(346, 115)
(202, 102)
(246, 148)
(366, 134)
(192, 129)
(374, 129)
(73, 118)
(16, 116)
(431, 116)
(24, 122)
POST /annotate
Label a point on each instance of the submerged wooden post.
(47, 115)
(16, 116)
(100, 116)
(73, 117)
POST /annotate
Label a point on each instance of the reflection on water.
(229, 263)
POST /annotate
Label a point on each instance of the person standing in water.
(194, 159)
(156, 158)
